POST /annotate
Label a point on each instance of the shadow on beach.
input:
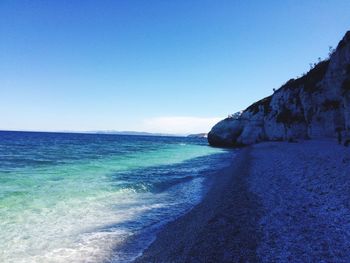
(222, 228)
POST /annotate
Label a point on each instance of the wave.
(71, 199)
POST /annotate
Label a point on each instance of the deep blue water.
(79, 197)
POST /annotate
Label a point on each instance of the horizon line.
(107, 132)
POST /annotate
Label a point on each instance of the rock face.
(313, 106)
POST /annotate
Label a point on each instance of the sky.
(159, 66)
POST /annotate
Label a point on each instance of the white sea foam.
(72, 231)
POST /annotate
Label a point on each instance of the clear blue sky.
(171, 66)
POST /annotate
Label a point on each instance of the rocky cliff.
(313, 106)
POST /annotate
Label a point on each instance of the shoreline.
(277, 202)
(206, 232)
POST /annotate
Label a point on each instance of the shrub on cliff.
(331, 105)
(315, 75)
(286, 116)
(342, 42)
(346, 85)
(264, 104)
(309, 80)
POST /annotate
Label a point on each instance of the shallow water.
(80, 197)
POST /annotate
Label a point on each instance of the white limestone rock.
(313, 106)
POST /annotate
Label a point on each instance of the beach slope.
(216, 229)
(278, 202)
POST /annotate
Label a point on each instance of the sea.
(69, 197)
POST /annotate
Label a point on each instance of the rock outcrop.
(313, 106)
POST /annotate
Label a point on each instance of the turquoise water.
(82, 198)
